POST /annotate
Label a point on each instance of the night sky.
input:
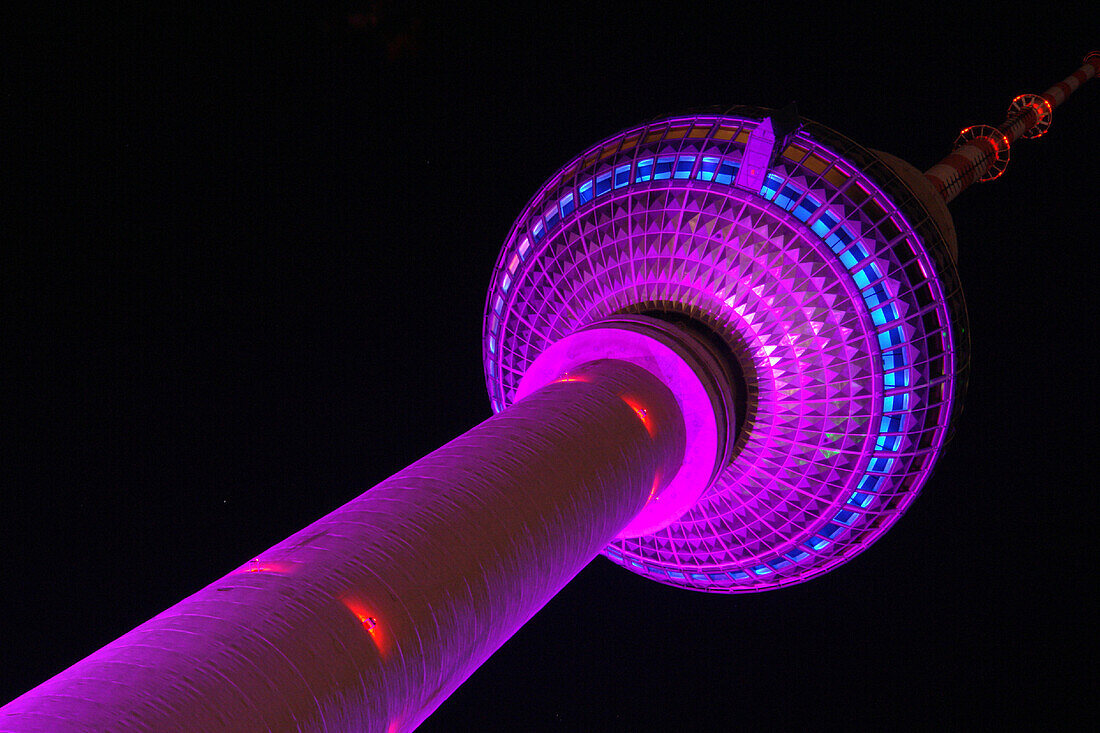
(252, 286)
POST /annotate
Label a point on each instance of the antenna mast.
(981, 151)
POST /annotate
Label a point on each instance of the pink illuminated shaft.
(370, 617)
(967, 163)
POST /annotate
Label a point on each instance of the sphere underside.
(834, 301)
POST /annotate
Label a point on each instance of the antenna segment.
(981, 152)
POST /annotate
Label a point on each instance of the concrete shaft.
(369, 617)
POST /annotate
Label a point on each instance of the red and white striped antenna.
(981, 151)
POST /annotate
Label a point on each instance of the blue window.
(567, 204)
(718, 576)
(881, 316)
(797, 555)
(868, 274)
(802, 213)
(726, 172)
(818, 542)
(779, 564)
(869, 483)
(839, 239)
(645, 170)
(498, 304)
(538, 231)
(861, 500)
(762, 570)
(739, 575)
(603, 183)
(845, 516)
(663, 169)
(622, 175)
(893, 380)
(585, 191)
(895, 402)
(684, 164)
(787, 197)
(820, 228)
(831, 530)
(880, 465)
(707, 168)
(894, 359)
(552, 217)
(876, 295)
(614, 555)
(888, 442)
(698, 576)
(675, 574)
(890, 338)
(891, 423)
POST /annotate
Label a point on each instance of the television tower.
(724, 350)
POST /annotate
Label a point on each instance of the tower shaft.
(369, 617)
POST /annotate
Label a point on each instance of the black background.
(247, 261)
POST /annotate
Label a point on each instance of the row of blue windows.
(877, 296)
(665, 167)
(786, 196)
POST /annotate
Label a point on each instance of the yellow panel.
(654, 136)
(676, 133)
(873, 210)
(795, 153)
(742, 137)
(699, 131)
(816, 164)
(836, 177)
(725, 133)
(857, 194)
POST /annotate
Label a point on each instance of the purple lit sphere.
(826, 272)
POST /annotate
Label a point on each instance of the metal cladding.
(367, 619)
(824, 275)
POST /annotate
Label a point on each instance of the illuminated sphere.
(832, 289)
